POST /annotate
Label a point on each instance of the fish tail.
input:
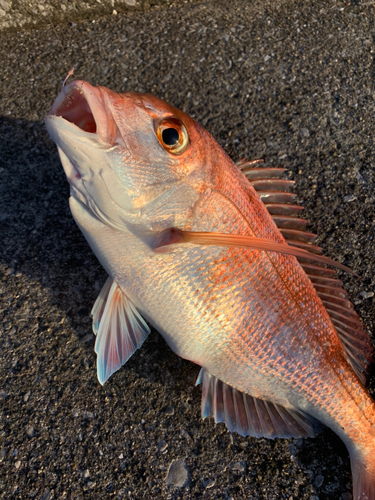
(363, 472)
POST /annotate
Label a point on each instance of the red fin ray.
(173, 236)
(283, 209)
(277, 197)
(335, 291)
(295, 234)
(289, 222)
(348, 326)
(320, 280)
(306, 246)
(250, 416)
(282, 185)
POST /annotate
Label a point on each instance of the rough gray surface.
(16, 14)
(177, 474)
(292, 82)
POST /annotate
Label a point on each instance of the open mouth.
(81, 104)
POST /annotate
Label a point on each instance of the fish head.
(131, 159)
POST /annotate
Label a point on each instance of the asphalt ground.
(291, 82)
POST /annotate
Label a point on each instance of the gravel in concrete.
(292, 82)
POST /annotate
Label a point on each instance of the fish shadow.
(41, 242)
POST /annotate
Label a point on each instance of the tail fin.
(363, 472)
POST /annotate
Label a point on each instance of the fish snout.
(85, 106)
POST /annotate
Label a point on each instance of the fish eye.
(170, 136)
(173, 135)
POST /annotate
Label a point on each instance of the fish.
(213, 255)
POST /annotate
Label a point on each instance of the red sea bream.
(199, 246)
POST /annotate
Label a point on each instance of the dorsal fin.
(280, 203)
(283, 209)
(250, 416)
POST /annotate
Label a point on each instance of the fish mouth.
(80, 118)
(84, 106)
(72, 104)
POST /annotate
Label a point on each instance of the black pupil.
(170, 136)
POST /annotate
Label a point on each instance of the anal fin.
(250, 416)
(119, 328)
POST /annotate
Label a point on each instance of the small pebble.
(3, 395)
(162, 445)
(86, 473)
(17, 464)
(75, 413)
(347, 496)
(121, 456)
(2, 455)
(209, 483)
(90, 484)
(87, 338)
(238, 466)
(47, 495)
(177, 473)
(366, 295)
(185, 434)
(89, 414)
(30, 431)
(349, 197)
(319, 481)
(169, 410)
(360, 178)
(27, 396)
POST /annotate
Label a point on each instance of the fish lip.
(84, 106)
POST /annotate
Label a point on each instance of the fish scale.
(189, 245)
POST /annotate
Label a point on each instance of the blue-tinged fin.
(99, 306)
(119, 328)
(200, 377)
(249, 416)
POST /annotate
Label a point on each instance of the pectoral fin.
(250, 416)
(174, 236)
(119, 328)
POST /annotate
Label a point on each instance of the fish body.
(273, 363)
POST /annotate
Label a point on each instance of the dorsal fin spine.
(273, 191)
